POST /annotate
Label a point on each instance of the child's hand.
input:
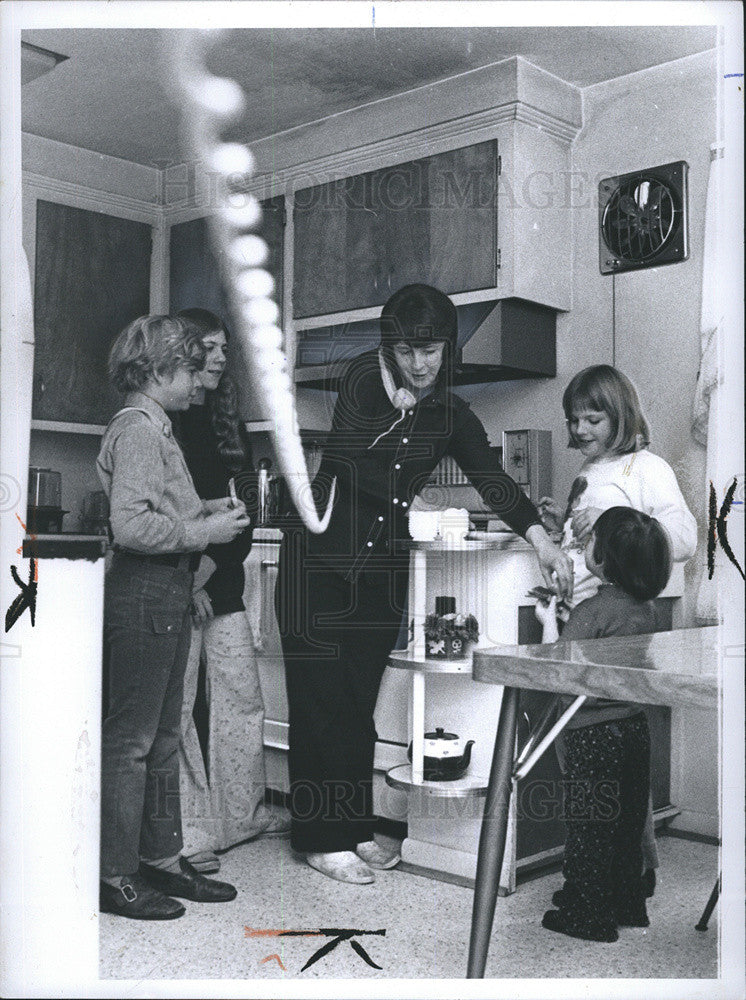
(222, 503)
(582, 523)
(546, 610)
(547, 615)
(551, 513)
(226, 524)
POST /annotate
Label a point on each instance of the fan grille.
(642, 218)
(639, 219)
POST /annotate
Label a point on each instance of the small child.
(159, 527)
(607, 743)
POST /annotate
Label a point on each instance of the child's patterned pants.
(608, 780)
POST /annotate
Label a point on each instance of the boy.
(159, 527)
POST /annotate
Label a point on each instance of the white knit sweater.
(640, 480)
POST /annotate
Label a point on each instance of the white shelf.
(62, 427)
(470, 786)
(404, 659)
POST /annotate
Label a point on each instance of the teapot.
(447, 756)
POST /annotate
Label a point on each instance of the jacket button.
(397, 466)
(395, 500)
(380, 517)
(404, 503)
(369, 544)
(405, 440)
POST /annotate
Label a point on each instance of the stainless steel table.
(666, 668)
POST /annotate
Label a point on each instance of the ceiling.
(110, 94)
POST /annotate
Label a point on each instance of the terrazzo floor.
(426, 924)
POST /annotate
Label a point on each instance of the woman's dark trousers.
(336, 636)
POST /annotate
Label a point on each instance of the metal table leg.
(705, 918)
(493, 833)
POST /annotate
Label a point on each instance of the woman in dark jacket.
(341, 595)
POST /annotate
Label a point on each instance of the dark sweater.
(609, 612)
(376, 482)
(210, 474)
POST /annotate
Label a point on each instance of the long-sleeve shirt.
(609, 612)
(378, 479)
(154, 507)
(640, 480)
(210, 475)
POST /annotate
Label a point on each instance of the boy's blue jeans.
(148, 630)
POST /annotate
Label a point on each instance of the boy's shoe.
(188, 884)
(558, 920)
(135, 899)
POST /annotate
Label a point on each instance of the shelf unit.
(408, 777)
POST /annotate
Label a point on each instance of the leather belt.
(188, 561)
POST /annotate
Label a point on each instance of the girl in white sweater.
(606, 425)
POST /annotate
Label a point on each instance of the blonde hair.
(150, 346)
(606, 389)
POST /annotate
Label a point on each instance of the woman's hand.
(201, 608)
(582, 523)
(551, 513)
(555, 565)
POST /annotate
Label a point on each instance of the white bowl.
(424, 524)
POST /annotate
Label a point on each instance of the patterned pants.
(223, 804)
(608, 781)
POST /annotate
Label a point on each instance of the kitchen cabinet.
(431, 220)
(92, 278)
(195, 280)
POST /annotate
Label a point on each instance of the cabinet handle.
(266, 602)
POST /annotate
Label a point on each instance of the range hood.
(498, 340)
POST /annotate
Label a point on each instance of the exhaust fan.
(643, 218)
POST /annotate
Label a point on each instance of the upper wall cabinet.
(92, 278)
(195, 281)
(194, 269)
(432, 220)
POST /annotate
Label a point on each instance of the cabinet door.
(320, 251)
(432, 220)
(195, 280)
(92, 279)
(195, 271)
(463, 218)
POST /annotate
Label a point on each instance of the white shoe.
(344, 866)
(376, 856)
